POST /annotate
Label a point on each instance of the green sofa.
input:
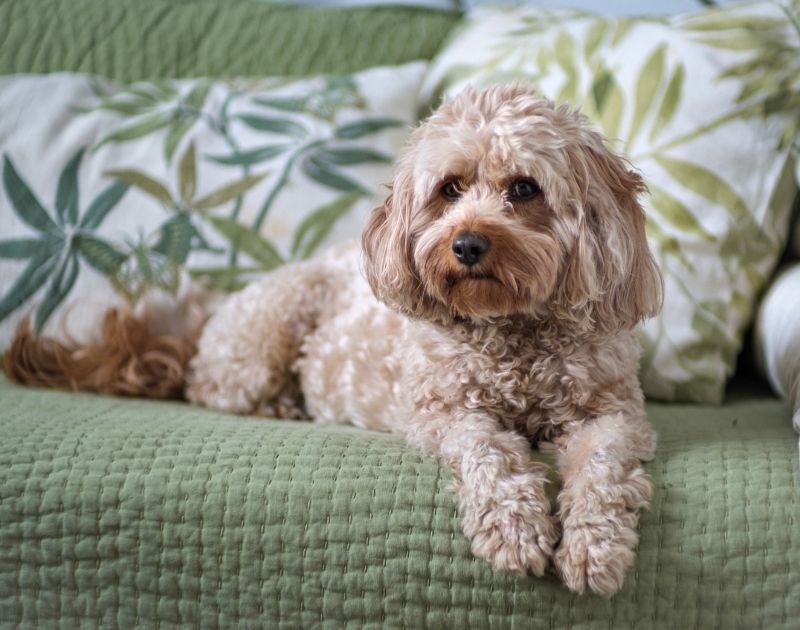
(122, 512)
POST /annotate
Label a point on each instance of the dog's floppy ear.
(387, 249)
(611, 272)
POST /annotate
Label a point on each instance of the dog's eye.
(523, 190)
(450, 191)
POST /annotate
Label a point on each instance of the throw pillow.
(777, 337)
(112, 192)
(706, 106)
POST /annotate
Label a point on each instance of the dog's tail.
(128, 360)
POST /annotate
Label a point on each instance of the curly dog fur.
(510, 266)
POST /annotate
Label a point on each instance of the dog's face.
(504, 205)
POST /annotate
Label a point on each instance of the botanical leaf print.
(63, 238)
(151, 107)
(183, 182)
(314, 227)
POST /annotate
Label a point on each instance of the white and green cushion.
(777, 337)
(706, 106)
(109, 192)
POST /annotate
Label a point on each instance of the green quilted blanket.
(123, 512)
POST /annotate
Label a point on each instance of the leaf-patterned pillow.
(706, 106)
(110, 192)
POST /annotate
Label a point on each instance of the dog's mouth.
(480, 294)
(454, 279)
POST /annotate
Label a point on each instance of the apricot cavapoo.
(494, 306)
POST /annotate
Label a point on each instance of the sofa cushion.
(137, 40)
(123, 512)
(777, 337)
(706, 106)
(135, 189)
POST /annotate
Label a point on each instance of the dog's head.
(503, 204)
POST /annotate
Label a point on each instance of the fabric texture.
(445, 5)
(136, 40)
(124, 512)
(706, 106)
(777, 337)
(112, 192)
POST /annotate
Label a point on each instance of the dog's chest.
(512, 375)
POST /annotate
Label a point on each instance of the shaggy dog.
(504, 276)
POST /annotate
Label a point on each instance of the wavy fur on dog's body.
(473, 352)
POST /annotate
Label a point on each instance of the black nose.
(469, 248)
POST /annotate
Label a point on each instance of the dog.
(492, 305)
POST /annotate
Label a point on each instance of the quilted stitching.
(133, 512)
(133, 40)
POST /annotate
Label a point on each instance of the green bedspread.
(131, 512)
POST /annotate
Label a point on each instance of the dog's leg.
(504, 508)
(604, 488)
(246, 354)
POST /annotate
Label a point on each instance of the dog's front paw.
(515, 546)
(519, 542)
(595, 557)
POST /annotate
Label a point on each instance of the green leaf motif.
(145, 183)
(325, 174)
(248, 241)
(543, 59)
(782, 100)
(21, 248)
(228, 193)
(677, 214)
(67, 191)
(667, 244)
(175, 239)
(749, 239)
(282, 126)
(738, 42)
(187, 174)
(102, 205)
(601, 88)
(100, 254)
(316, 226)
(142, 127)
(613, 107)
(669, 102)
(623, 28)
(705, 183)
(349, 157)
(761, 82)
(366, 127)
(252, 156)
(594, 37)
(565, 57)
(177, 130)
(708, 326)
(196, 97)
(124, 106)
(283, 104)
(27, 283)
(225, 279)
(743, 22)
(60, 286)
(24, 203)
(647, 85)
